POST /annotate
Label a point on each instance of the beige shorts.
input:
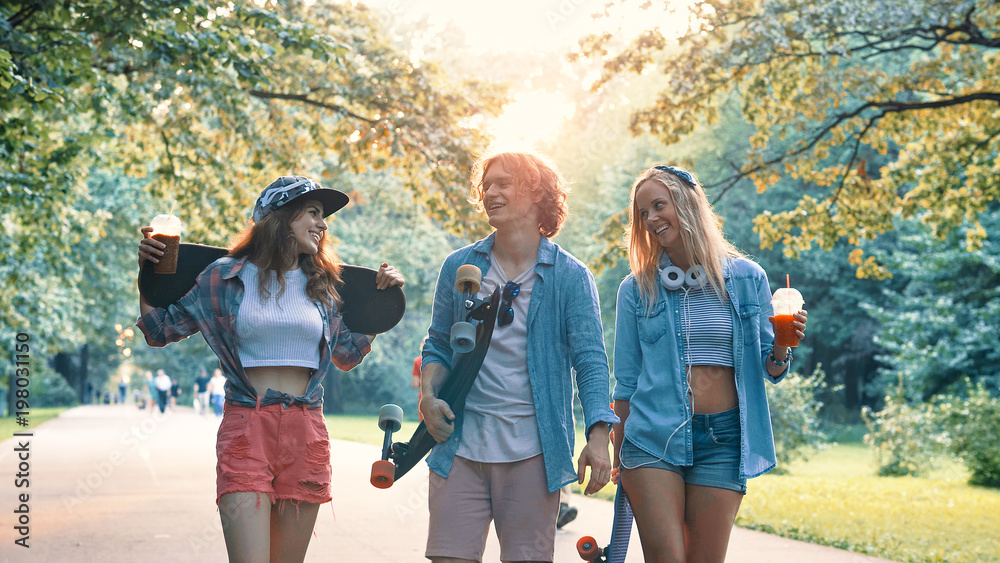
(513, 495)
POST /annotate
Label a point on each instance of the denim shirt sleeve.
(628, 357)
(437, 347)
(767, 329)
(585, 338)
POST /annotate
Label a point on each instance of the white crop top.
(277, 331)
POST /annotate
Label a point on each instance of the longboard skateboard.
(471, 339)
(621, 531)
(366, 309)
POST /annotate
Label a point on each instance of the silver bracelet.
(782, 363)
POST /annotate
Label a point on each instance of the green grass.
(9, 425)
(836, 499)
(364, 429)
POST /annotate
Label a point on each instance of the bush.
(795, 415)
(906, 437)
(49, 388)
(973, 425)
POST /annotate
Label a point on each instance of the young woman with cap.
(269, 310)
(693, 347)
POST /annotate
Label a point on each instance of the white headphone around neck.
(673, 277)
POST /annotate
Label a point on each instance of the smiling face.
(654, 208)
(505, 205)
(308, 227)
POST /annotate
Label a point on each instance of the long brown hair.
(532, 175)
(700, 230)
(270, 245)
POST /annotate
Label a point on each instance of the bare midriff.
(283, 379)
(713, 389)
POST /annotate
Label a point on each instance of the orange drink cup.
(786, 303)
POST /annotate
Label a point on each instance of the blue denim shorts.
(716, 441)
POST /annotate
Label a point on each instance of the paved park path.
(115, 484)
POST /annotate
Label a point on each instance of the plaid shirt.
(211, 307)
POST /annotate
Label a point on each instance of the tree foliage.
(109, 111)
(940, 326)
(385, 223)
(827, 85)
(225, 97)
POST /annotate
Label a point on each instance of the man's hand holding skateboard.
(595, 454)
(438, 416)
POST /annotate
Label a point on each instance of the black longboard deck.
(454, 390)
(365, 308)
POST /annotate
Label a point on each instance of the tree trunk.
(74, 369)
(84, 359)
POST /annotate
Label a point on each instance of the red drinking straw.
(787, 283)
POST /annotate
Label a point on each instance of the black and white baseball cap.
(287, 189)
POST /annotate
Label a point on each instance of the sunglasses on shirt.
(506, 314)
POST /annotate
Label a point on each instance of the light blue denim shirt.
(650, 372)
(564, 332)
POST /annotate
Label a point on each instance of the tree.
(940, 328)
(387, 223)
(823, 82)
(225, 95)
(110, 111)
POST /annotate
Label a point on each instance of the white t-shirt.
(162, 382)
(500, 424)
(218, 383)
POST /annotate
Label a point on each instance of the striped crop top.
(278, 331)
(708, 337)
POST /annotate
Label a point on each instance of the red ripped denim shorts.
(281, 450)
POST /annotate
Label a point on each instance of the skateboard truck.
(390, 419)
(463, 333)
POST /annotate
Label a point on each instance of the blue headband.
(682, 174)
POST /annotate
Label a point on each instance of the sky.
(521, 26)
(508, 26)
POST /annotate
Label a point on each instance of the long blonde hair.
(700, 231)
(270, 244)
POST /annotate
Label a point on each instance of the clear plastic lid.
(164, 224)
(787, 301)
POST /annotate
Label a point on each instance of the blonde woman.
(270, 312)
(693, 347)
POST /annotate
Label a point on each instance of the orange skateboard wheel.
(587, 548)
(383, 474)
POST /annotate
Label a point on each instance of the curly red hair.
(533, 176)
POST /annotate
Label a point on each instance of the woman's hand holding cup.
(150, 248)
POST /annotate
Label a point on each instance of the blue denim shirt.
(650, 371)
(564, 332)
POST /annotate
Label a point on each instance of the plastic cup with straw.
(786, 302)
(167, 229)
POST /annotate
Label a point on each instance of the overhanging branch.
(305, 99)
